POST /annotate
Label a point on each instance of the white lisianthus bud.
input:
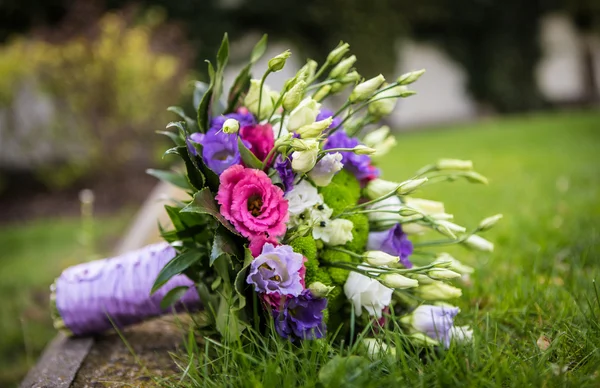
(342, 68)
(479, 243)
(278, 62)
(363, 150)
(438, 291)
(426, 206)
(422, 279)
(311, 66)
(367, 293)
(409, 78)
(315, 129)
(364, 90)
(231, 126)
(455, 265)
(454, 164)
(377, 188)
(251, 100)
(283, 141)
(489, 222)
(351, 77)
(334, 232)
(395, 280)
(376, 348)
(475, 177)
(461, 334)
(387, 210)
(442, 274)
(320, 290)
(293, 97)
(451, 226)
(326, 168)
(338, 53)
(305, 160)
(376, 136)
(385, 102)
(409, 186)
(380, 258)
(322, 92)
(304, 114)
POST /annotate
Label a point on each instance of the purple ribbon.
(87, 294)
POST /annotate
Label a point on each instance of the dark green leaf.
(171, 151)
(204, 203)
(212, 179)
(174, 267)
(200, 89)
(174, 178)
(222, 245)
(181, 113)
(216, 283)
(204, 106)
(239, 300)
(173, 136)
(222, 57)
(249, 159)
(344, 372)
(242, 81)
(173, 296)
(194, 175)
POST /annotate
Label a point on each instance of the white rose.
(327, 167)
(365, 292)
(304, 114)
(301, 197)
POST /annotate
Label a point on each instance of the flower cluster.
(289, 214)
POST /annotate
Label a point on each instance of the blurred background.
(84, 85)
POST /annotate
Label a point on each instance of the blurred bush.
(91, 104)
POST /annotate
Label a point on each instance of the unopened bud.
(322, 92)
(342, 68)
(320, 290)
(377, 188)
(293, 97)
(479, 243)
(278, 62)
(380, 258)
(454, 164)
(338, 53)
(443, 274)
(398, 281)
(489, 222)
(475, 177)
(438, 291)
(231, 126)
(363, 150)
(409, 186)
(315, 129)
(409, 78)
(365, 90)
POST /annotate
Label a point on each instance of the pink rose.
(260, 137)
(252, 203)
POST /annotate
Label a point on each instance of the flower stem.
(260, 92)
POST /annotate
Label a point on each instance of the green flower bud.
(231, 126)
(278, 62)
(409, 186)
(293, 97)
(442, 274)
(379, 258)
(352, 77)
(489, 222)
(365, 90)
(395, 280)
(409, 78)
(322, 92)
(315, 129)
(338, 53)
(363, 150)
(343, 67)
(438, 291)
(454, 164)
(320, 290)
(479, 243)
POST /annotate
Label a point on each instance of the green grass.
(32, 255)
(545, 178)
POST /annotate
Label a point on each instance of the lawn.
(32, 254)
(544, 173)
(532, 302)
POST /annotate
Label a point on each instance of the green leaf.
(242, 81)
(222, 245)
(344, 372)
(204, 203)
(171, 151)
(200, 89)
(173, 296)
(194, 175)
(212, 179)
(259, 49)
(249, 159)
(239, 300)
(181, 113)
(174, 178)
(173, 136)
(222, 57)
(174, 267)
(228, 323)
(204, 106)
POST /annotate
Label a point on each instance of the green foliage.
(342, 193)
(360, 233)
(306, 246)
(338, 275)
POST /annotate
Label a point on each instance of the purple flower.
(434, 321)
(392, 241)
(325, 113)
(359, 165)
(301, 317)
(220, 150)
(284, 169)
(277, 271)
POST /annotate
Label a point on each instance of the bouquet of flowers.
(288, 224)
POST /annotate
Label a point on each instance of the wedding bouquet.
(289, 224)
